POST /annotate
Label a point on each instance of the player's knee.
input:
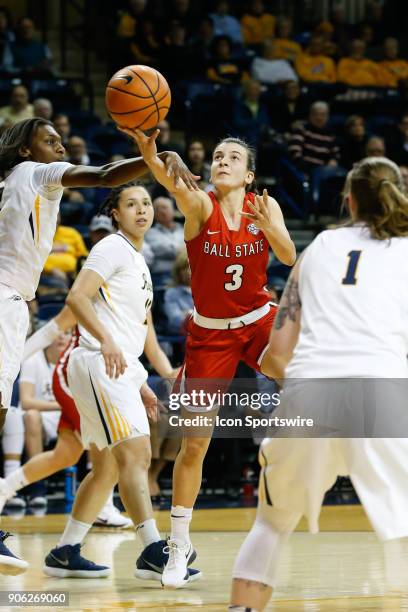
(134, 458)
(32, 421)
(193, 450)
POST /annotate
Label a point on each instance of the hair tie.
(383, 182)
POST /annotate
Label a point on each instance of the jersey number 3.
(351, 272)
(236, 281)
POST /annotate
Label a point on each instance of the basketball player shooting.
(228, 234)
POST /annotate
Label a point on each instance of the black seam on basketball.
(145, 120)
(130, 93)
(158, 81)
(151, 93)
(144, 107)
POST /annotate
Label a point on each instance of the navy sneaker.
(152, 561)
(66, 562)
(9, 563)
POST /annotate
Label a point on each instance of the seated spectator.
(375, 147)
(165, 238)
(19, 107)
(145, 46)
(269, 70)
(178, 301)
(195, 160)
(398, 145)
(30, 55)
(77, 154)
(100, 227)
(314, 67)
(223, 67)
(326, 30)
(284, 46)
(176, 60)
(313, 145)
(77, 151)
(130, 18)
(257, 24)
(358, 71)
(353, 147)
(395, 67)
(224, 23)
(164, 141)
(41, 411)
(67, 248)
(365, 33)
(287, 110)
(201, 44)
(42, 107)
(63, 127)
(250, 115)
(7, 39)
(344, 31)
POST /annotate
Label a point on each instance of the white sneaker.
(110, 516)
(6, 493)
(38, 501)
(175, 574)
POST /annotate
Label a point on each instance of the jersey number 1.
(351, 278)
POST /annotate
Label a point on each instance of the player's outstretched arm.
(190, 202)
(46, 335)
(79, 299)
(285, 331)
(155, 354)
(267, 216)
(125, 170)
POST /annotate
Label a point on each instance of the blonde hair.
(180, 263)
(378, 190)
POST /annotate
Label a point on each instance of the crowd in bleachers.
(311, 98)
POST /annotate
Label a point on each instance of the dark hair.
(14, 138)
(112, 201)
(251, 158)
(377, 187)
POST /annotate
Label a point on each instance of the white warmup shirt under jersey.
(28, 217)
(125, 296)
(354, 295)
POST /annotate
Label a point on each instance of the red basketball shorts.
(70, 418)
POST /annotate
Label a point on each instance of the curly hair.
(111, 203)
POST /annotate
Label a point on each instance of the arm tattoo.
(290, 304)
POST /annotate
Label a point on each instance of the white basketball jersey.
(124, 298)
(354, 295)
(28, 217)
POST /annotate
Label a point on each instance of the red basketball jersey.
(61, 369)
(228, 267)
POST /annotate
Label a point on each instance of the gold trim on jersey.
(37, 217)
(104, 291)
(118, 425)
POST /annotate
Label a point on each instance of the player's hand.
(147, 144)
(150, 402)
(260, 212)
(178, 169)
(115, 363)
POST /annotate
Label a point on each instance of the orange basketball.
(138, 97)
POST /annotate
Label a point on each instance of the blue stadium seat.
(50, 310)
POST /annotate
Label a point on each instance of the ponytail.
(377, 188)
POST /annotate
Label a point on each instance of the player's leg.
(211, 360)
(14, 321)
(13, 445)
(67, 452)
(65, 560)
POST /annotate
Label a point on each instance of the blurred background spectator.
(68, 247)
(223, 67)
(42, 107)
(269, 70)
(313, 66)
(257, 24)
(195, 159)
(31, 56)
(19, 107)
(224, 23)
(250, 114)
(165, 238)
(354, 143)
(178, 302)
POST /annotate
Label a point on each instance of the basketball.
(138, 97)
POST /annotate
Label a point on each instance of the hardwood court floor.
(341, 568)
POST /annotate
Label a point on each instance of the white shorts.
(111, 409)
(50, 420)
(296, 473)
(14, 322)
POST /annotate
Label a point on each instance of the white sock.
(74, 533)
(148, 532)
(41, 339)
(17, 480)
(12, 440)
(10, 465)
(180, 523)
